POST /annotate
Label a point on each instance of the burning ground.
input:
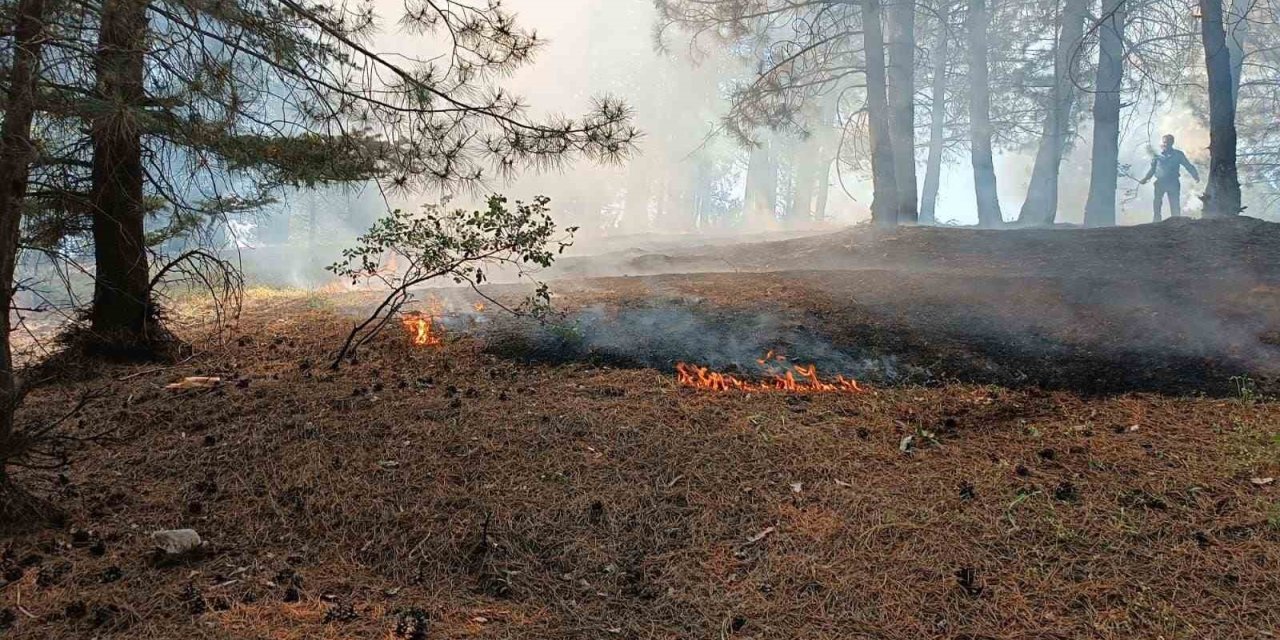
(493, 486)
(1182, 307)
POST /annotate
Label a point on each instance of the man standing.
(1167, 169)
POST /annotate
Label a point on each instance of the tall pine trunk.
(884, 185)
(937, 116)
(703, 193)
(981, 155)
(823, 190)
(1222, 194)
(760, 198)
(635, 212)
(1100, 209)
(1041, 205)
(805, 161)
(16, 154)
(828, 144)
(901, 98)
(122, 313)
(1237, 24)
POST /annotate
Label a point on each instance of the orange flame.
(796, 379)
(420, 330)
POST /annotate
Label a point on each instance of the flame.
(479, 307)
(797, 378)
(420, 331)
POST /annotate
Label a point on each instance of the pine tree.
(201, 109)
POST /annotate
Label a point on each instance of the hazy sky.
(596, 46)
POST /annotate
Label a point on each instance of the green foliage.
(459, 245)
(304, 160)
(246, 100)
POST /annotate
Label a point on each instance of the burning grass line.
(796, 379)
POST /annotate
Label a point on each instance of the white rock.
(177, 541)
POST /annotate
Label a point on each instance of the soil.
(458, 492)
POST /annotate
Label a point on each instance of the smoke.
(1109, 310)
(291, 242)
(687, 182)
(689, 177)
(660, 336)
(599, 47)
(595, 48)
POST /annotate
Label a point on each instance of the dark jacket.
(1166, 165)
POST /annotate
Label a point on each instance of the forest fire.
(796, 379)
(421, 330)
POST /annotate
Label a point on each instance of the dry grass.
(516, 501)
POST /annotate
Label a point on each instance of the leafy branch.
(461, 246)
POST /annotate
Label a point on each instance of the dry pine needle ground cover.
(445, 493)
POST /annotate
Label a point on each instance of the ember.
(796, 378)
(420, 330)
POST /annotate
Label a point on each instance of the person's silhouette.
(1166, 166)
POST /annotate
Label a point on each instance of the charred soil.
(1180, 307)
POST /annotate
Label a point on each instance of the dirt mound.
(1236, 248)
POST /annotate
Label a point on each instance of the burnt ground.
(453, 492)
(1182, 307)
(1090, 336)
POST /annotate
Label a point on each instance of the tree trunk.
(937, 117)
(1237, 34)
(1041, 205)
(703, 190)
(760, 200)
(805, 163)
(122, 312)
(823, 190)
(16, 153)
(1100, 209)
(884, 186)
(1222, 194)
(635, 213)
(981, 155)
(826, 149)
(901, 98)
